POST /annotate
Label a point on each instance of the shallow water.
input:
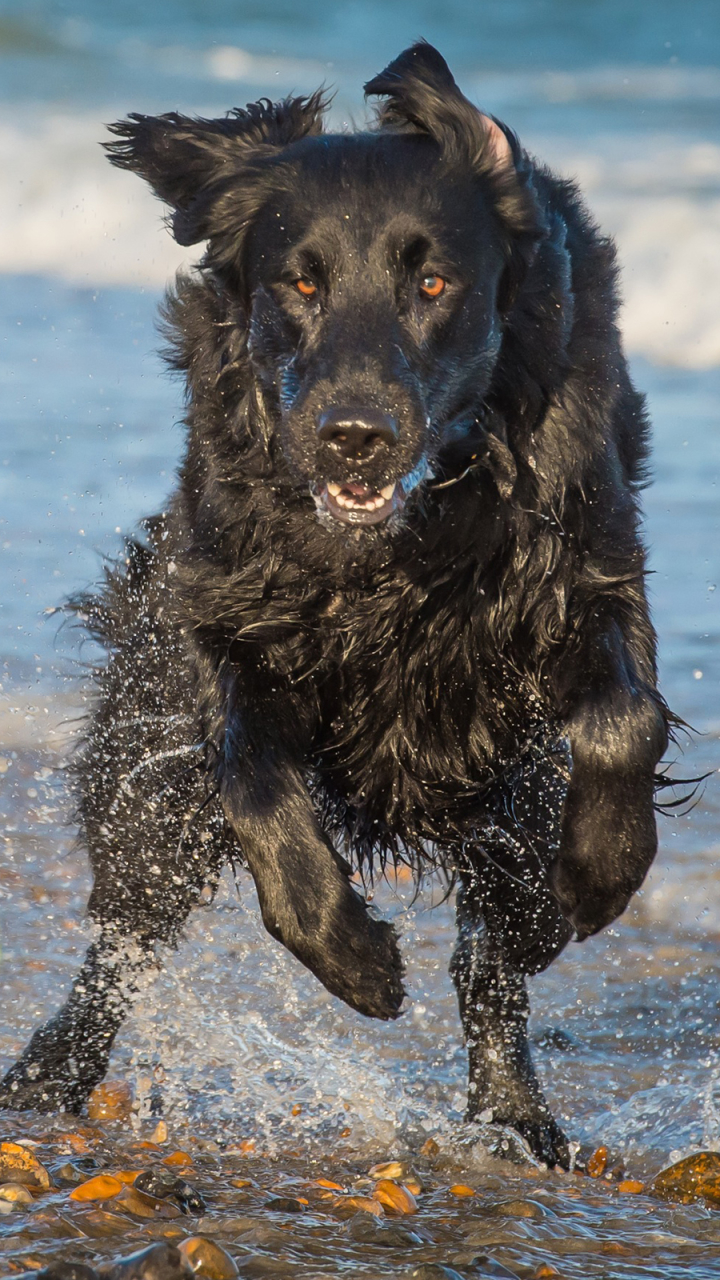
(626, 1027)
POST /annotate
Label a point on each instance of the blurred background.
(623, 95)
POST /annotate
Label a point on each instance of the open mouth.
(356, 503)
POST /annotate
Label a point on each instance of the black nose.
(357, 433)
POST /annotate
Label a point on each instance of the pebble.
(436, 1271)
(208, 1258)
(102, 1187)
(60, 1271)
(15, 1193)
(365, 1229)
(597, 1162)
(71, 1174)
(695, 1178)
(519, 1209)
(141, 1205)
(158, 1262)
(430, 1149)
(460, 1189)
(178, 1160)
(490, 1269)
(545, 1270)
(392, 1169)
(394, 1197)
(110, 1101)
(285, 1204)
(164, 1184)
(17, 1164)
(362, 1204)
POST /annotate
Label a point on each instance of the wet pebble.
(435, 1271)
(395, 1197)
(285, 1204)
(364, 1229)
(164, 1184)
(144, 1206)
(103, 1187)
(15, 1193)
(17, 1164)
(158, 1262)
(519, 1209)
(485, 1266)
(391, 1169)
(60, 1271)
(695, 1178)
(208, 1258)
(73, 1172)
(110, 1101)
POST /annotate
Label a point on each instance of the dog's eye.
(432, 286)
(306, 288)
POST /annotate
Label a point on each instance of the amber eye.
(432, 286)
(306, 288)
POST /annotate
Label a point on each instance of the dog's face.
(373, 271)
(372, 277)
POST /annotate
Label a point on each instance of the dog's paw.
(587, 902)
(536, 1127)
(372, 982)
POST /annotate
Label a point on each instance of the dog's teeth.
(388, 492)
(334, 489)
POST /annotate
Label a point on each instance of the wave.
(64, 212)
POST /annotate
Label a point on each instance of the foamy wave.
(65, 212)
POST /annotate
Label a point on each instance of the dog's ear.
(423, 96)
(189, 162)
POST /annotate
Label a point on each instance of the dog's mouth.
(356, 503)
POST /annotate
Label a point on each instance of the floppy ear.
(190, 162)
(423, 95)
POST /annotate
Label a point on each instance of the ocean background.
(623, 95)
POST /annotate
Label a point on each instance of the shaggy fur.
(460, 675)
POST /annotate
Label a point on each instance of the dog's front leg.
(306, 898)
(616, 723)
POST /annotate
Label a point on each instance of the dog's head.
(374, 271)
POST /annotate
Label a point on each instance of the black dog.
(396, 606)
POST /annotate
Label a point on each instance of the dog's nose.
(357, 433)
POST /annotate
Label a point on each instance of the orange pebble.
(329, 1186)
(296, 1110)
(240, 1182)
(345, 1133)
(77, 1143)
(103, 1187)
(247, 1146)
(597, 1163)
(429, 1148)
(544, 1270)
(631, 1186)
(394, 1197)
(363, 1203)
(178, 1160)
(459, 1189)
(110, 1101)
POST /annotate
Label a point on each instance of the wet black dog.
(397, 604)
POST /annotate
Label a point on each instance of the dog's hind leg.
(69, 1055)
(494, 1009)
(510, 926)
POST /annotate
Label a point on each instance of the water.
(625, 97)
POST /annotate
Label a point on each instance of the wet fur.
(471, 689)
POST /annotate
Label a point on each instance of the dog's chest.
(417, 708)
